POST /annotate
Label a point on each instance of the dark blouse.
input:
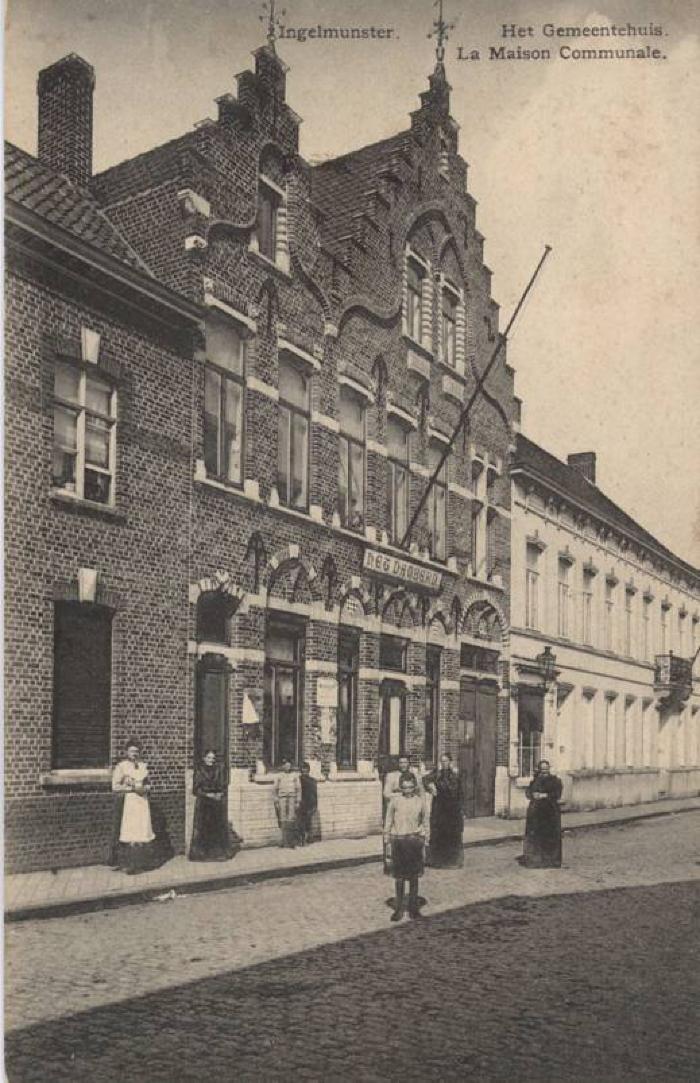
(208, 779)
(549, 784)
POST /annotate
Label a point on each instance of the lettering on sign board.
(404, 571)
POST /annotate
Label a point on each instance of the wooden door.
(477, 746)
(211, 727)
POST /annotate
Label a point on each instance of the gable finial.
(440, 32)
(273, 22)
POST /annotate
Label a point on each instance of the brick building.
(267, 423)
(616, 707)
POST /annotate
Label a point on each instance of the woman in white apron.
(134, 845)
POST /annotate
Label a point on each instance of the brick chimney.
(584, 462)
(65, 92)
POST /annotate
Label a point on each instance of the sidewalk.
(95, 887)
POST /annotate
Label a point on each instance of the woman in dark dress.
(212, 836)
(542, 847)
(446, 817)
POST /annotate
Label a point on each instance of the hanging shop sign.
(403, 571)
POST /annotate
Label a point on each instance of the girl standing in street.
(134, 845)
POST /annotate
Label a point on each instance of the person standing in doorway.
(404, 829)
(542, 845)
(212, 836)
(446, 849)
(287, 797)
(307, 813)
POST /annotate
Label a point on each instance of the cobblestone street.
(585, 973)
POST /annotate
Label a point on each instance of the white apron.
(136, 818)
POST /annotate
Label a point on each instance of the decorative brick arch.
(436, 615)
(483, 602)
(404, 599)
(349, 590)
(285, 560)
(220, 582)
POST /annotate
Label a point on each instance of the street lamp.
(547, 662)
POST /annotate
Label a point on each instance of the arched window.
(214, 610)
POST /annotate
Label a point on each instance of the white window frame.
(228, 374)
(350, 440)
(532, 588)
(396, 465)
(79, 407)
(447, 288)
(292, 410)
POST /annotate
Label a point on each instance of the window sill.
(454, 372)
(76, 777)
(269, 264)
(107, 511)
(413, 344)
(493, 585)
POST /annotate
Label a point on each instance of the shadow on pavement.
(582, 987)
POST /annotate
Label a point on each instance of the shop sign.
(327, 692)
(403, 571)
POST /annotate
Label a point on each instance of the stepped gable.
(31, 184)
(344, 188)
(534, 458)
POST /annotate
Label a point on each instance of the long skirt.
(407, 857)
(213, 838)
(446, 843)
(137, 856)
(542, 844)
(308, 825)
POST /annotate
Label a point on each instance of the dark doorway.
(211, 726)
(477, 745)
(432, 704)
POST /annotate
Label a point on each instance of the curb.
(134, 898)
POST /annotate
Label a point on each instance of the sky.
(600, 159)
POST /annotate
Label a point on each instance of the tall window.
(664, 628)
(563, 600)
(293, 437)
(532, 587)
(82, 657)
(437, 505)
(348, 669)
(414, 300)
(283, 685)
(398, 441)
(681, 634)
(587, 607)
(610, 731)
(628, 644)
(694, 638)
(450, 301)
(530, 729)
(432, 703)
(268, 205)
(609, 614)
(646, 628)
(84, 433)
(223, 402)
(351, 465)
